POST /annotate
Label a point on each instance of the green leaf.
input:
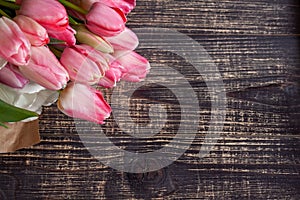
(9, 113)
(3, 125)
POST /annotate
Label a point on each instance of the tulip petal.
(105, 21)
(137, 67)
(127, 40)
(84, 64)
(15, 47)
(45, 69)
(83, 102)
(35, 33)
(11, 76)
(49, 13)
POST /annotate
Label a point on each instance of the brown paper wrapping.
(19, 135)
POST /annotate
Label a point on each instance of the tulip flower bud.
(84, 102)
(15, 47)
(45, 69)
(49, 13)
(136, 65)
(125, 5)
(84, 36)
(127, 40)
(66, 35)
(35, 33)
(113, 74)
(84, 64)
(104, 20)
(11, 76)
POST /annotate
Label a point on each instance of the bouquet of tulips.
(59, 50)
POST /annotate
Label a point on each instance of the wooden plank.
(255, 45)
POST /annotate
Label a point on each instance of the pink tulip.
(11, 76)
(35, 33)
(136, 66)
(84, 102)
(49, 13)
(15, 47)
(104, 20)
(45, 69)
(125, 5)
(114, 74)
(127, 40)
(84, 64)
(66, 35)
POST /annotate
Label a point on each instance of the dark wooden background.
(255, 44)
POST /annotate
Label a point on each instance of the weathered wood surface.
(255, 44)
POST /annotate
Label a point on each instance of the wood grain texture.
(255, 44)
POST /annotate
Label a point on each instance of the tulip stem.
(73, 6)
(9, 5)
(72, 21)
(4, 14)
(55, 51)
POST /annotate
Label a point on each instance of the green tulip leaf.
(9, 113)
(3, 125)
